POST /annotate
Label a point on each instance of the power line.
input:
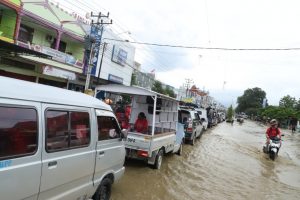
(208, 48)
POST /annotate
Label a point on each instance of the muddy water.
(226, 163)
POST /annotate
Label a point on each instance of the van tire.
(192, 142)
(104, 190)
(158, 160)
(179, 152)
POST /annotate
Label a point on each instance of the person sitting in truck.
(141, 124)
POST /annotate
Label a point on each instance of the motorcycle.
(273, 147)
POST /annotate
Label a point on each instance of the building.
(115, 61)
(55, 34)
(8, 19)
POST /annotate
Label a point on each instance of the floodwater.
(226, 163)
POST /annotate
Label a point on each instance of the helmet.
(273, 122)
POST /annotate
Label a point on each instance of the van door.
(110, 149)
(68, 158)
(20, 149)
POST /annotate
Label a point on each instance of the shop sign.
(96, 32)
(115, 79)
(188, 100)
(55, 54)
(52, 71)
(119, 55)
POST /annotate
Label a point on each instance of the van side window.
(66, 130)
(108, 128)
(18, 132)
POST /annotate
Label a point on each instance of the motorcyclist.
(273, 131)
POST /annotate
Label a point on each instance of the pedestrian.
(294, 122)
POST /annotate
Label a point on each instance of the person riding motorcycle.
(273, 131)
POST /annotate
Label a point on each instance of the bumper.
(118, 174)
(188, 136)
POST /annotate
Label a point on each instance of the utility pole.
(187, 84)
(92, 45)
(104, 48)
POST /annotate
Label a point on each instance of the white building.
(118, 59)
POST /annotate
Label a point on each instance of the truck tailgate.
(138, 141)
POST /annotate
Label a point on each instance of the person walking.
(294, 122)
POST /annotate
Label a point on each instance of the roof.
(24, 90)
(123, 89)
(54, 14)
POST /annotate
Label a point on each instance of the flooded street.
(226, 163)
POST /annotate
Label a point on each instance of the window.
(108, 128)
(18, 132)
(25, 34)
(62, 46)
(67, 129)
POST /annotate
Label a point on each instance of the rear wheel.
(179, 152)
(193, 140)
(158, 160)
(104, 190)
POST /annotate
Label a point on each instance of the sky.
(259, 24)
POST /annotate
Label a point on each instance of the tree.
(229, 114)
(157, 87)
(297, 107)
(251, 101)
(288, 102)
(170, 92)
(133, 80)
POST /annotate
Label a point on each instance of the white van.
(56, 144)
(203, 116)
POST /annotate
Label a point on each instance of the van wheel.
(104, 190)
(193, 140)
(158, 160)
(179, 152)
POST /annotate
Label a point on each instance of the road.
(226, 163)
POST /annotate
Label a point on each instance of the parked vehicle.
(192, 124)
(161, 113)
(273, 148)
(56, 144)
(203, 117)
(212, 117)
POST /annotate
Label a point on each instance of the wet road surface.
(226, 163)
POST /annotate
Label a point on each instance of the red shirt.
(273, 132)
(141, 125)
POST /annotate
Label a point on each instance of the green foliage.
(157, 87)
(251, 101)
(288, 102)
(133, 80)
(170, 92)
(229, 114)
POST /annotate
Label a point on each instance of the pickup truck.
(161, 113)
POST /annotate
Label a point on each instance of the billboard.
(119, 55)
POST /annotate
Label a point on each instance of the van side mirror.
(124, 133)
(282, 135)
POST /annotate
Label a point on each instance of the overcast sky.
(213, 23)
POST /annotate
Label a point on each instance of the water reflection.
(226, 163)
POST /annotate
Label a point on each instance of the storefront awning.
(53, 63)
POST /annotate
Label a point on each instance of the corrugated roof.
(54, 15)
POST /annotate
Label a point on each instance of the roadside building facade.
(45, 28)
